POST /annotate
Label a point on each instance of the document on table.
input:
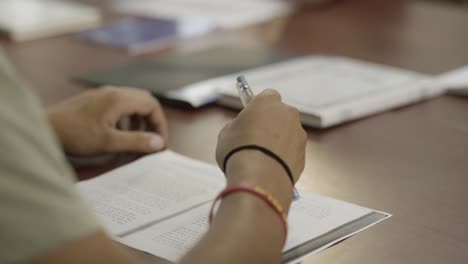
(150, 189)
(159, 204)
(330, 90)
(310, 217)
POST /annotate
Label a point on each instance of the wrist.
(256, 168)
(59, 129)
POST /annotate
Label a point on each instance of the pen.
(246, 95)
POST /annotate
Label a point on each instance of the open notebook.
(159, 204)
(331, 90)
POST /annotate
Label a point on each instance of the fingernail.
(156, 142)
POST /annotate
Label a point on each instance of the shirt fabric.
(40, 209)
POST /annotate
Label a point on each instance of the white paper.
(223, 13)
(150, 189)
(313, 83)
(331, 243)
(29, 19)
(455, 79)
(311, 216)
(172, 238)
(333, 89)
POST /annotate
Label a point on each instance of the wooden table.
(411, 162)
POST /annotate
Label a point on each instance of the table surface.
(411, 162)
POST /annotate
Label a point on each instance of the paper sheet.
(151, 189)
(314, 83)
(172, 238)
(314, 215)
(455, 79)
(311, 216)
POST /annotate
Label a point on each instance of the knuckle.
(155, 101)
(107, 89)
(112, 94)
(146, 92)
(293, 111)
(224, 130)
(146, 98)
(270, 93)
(139, 91)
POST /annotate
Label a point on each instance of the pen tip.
(241, 79)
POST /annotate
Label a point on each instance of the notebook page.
(314, 215)
(316, 83)
(311, 216)
(172, 238)
(150, 189)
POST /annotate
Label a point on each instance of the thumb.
(134, 141)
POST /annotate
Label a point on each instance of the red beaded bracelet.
(260, 193)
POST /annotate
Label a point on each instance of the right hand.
(269, 123)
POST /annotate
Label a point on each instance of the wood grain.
(411, 162)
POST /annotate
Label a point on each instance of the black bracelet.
(265, 151)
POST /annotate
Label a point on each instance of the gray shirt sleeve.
(40, 207)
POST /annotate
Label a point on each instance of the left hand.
(88, 124)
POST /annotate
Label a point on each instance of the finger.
(134, 141)
(158, 120)
(138, 123)
(124, 123)
(129, 101)
(294, 113)
(269, 94)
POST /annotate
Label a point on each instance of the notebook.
(159, 204)
(178, 79)
(330, 90)
(139, 35)
(23, 20)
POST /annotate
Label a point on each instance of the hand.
(269, 123)
(88, 124)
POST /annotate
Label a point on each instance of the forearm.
(245, 229)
